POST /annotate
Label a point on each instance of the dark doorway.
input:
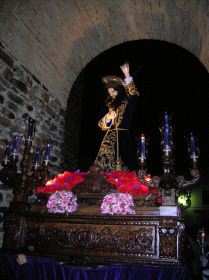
(169, 78)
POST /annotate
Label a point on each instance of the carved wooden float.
(88, 237)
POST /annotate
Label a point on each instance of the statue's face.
(112, 92)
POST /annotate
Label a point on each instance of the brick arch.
(56, 41)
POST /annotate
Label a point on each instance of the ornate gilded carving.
(140, 240)
(84, 238)
(106, 156)
(131, 89)
(40, 236)
(180, 246)
(117, 240)
(168, 234)
(98, 238)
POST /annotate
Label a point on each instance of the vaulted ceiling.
(56, 39)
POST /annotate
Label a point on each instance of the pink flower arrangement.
(62, 202)
(118, 203)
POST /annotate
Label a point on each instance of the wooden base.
(92, 238)
(88, 237)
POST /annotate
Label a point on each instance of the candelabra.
(23, 172)
(169, 185)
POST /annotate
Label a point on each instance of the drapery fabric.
(49, 269)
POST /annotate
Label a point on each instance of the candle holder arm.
(183, 183)
(152, 183)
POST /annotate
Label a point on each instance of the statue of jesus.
(117, 150)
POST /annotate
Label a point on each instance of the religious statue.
(117, 150)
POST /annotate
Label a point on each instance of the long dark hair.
(116, 102)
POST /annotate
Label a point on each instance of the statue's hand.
(111, 115)
(125, 69)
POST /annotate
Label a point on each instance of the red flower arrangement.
(64, 181)
(124, 181)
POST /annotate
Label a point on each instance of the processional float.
(153, 235)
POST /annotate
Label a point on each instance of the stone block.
(12, 106)
(5, 83)
(2, 89)
(7, 113)
(15, 98)
(6, 58)
(5, 121)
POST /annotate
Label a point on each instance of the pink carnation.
(118, 203)
(62, 202)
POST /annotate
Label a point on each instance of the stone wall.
(22, 95)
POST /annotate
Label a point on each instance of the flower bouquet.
(118, 203)
(126, 182)
(62, 202)
(63, 181)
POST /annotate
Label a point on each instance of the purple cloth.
(26, 272)
(47, 269)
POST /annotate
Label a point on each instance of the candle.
(192, 144)
(192, 148)
(36, 157)
(203, 241)
(47, 151)
(166, 138)
(30, 131)
(16, 143)
(142, 153)
(166, 119)
(166, 131)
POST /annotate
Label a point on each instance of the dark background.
(169, 78)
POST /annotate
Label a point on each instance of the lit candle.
(142, 147)
(47, 151)
(36, 157)
(166, 138)
(166, 119)
(192, 143)
(166, 131)
(30, 131)
(16, 143)
(192, 148)
(203, 241)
